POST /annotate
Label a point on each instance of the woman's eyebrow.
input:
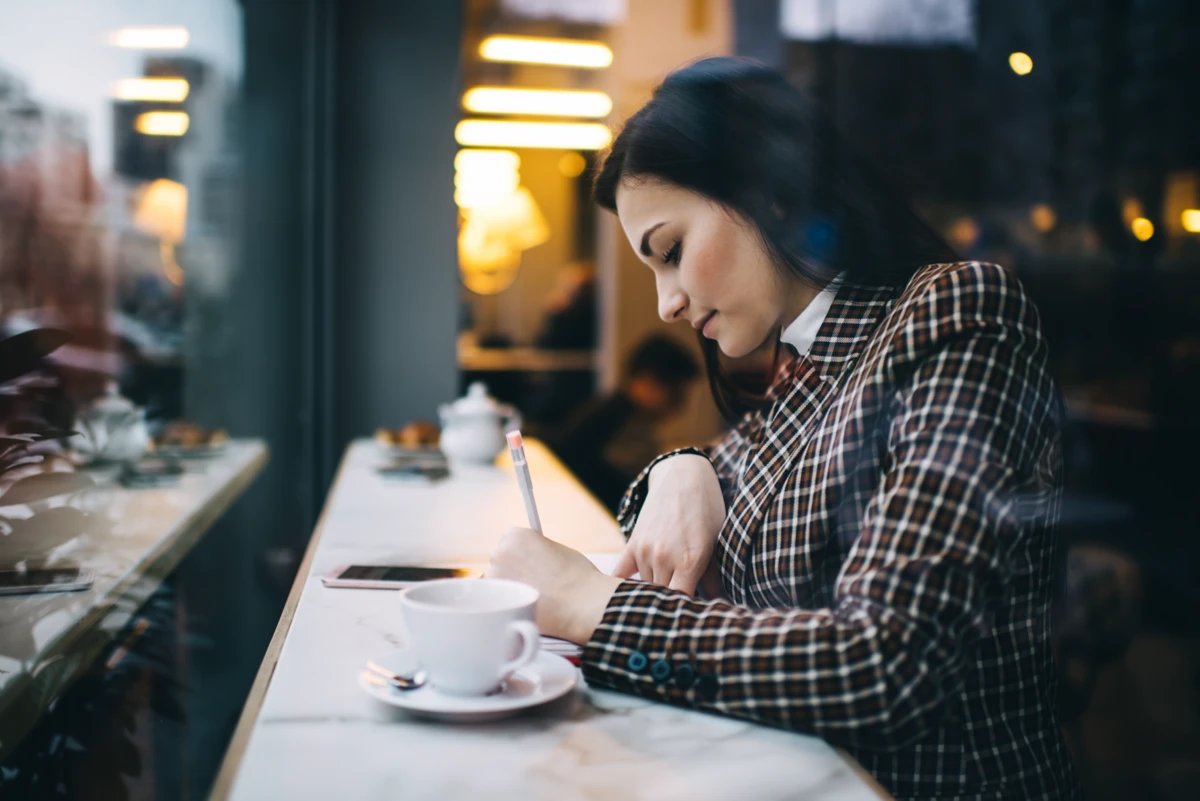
(646, 238)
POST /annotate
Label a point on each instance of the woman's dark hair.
(736, 132)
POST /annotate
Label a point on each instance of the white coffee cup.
(464, 631)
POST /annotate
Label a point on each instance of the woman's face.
(710, 268)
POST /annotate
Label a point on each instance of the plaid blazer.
(889, 550)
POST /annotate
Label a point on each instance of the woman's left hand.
(574, 594)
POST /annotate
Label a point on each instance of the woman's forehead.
(639, 197)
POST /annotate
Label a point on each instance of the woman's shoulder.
(965, 293)
(961, 278)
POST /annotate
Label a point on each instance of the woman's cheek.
(705, 280)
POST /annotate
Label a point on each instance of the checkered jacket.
(889, 552)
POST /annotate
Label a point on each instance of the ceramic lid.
(112, 402)
(476, 401)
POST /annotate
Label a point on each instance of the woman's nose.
(672, 302)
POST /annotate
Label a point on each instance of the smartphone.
(54, 579)
(384, 577)
(432, 472)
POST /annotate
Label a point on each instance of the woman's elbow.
(913, 708)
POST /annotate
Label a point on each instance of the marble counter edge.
(262, 680)
(223, 785)
(250, 717)
(22, 701)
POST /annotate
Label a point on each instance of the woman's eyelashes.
(672, 255)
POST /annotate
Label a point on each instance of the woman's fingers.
(680, 581)
(711, 581)
(685, 580)
(666, 565)
(626, 564)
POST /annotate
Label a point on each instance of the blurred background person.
(570, 312)
(607, 442)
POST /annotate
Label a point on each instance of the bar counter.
(309, 732)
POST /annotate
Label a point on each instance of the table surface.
(47, 640)
(309, 732)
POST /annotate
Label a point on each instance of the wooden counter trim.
(862, 774)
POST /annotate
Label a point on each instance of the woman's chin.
(733, 349)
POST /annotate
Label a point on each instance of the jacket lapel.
(805, 388)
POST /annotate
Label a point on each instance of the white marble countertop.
(309, 732)
(46, 640)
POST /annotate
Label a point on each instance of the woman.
(881, 525)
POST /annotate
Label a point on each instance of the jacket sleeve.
(973, 410)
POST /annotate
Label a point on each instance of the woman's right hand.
(672, 541)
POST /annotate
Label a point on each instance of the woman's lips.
(704, 329)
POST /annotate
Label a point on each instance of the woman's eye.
(672, 255)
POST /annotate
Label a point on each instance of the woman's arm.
(724, 455)
(673, 513)
(921, 582)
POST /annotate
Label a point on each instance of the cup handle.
(530, 639)
(511, 417)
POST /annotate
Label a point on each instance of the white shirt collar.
(803, 331)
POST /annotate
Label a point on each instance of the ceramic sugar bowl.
(113, 429)
(473, 427)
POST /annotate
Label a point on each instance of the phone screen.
(383, 573)
(13, 579)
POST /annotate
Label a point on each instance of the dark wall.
(337, 314)
(395, 264)
(248, 368)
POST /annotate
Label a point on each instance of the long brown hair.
(738, 133)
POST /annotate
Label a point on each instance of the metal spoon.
(395, 679)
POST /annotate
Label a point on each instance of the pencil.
(517, 448)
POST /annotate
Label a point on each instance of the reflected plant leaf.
(43, 486)
(44, 531)
(23, 353)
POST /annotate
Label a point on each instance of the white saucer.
(547, 678)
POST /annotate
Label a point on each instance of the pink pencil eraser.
(514, 439)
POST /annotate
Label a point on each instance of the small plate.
(411, 451)
(546, 679)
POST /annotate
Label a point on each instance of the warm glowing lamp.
(163, 90)
(1043, 218)
(536, 50)
(162, 213)
(484, 177)
(549, 102)
(562, 135)
(1142, 228)
(492, 238)
(162, 123)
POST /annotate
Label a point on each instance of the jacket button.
(660, 671)
(706, 686)
(637, 661)
(685, 676)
